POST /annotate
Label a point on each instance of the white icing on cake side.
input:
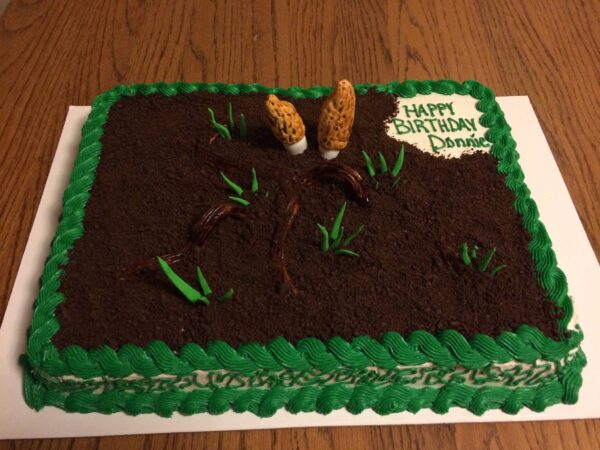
(511, 374)
(442, 125)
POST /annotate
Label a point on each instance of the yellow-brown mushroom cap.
(337, 117)
(286, 124)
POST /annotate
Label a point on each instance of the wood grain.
(59, 53)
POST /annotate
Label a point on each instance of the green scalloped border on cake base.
(44, 363)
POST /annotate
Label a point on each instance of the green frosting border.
(448, 348)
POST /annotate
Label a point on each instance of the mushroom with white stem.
(286, 125)
(337, 117)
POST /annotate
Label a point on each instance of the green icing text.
(435, 119)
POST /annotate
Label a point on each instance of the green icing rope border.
(449, 348)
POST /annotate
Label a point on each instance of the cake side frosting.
(509, 386)
(526, 345)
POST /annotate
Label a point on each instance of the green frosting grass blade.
(338, 222)
(211, 113)
(241, 201)
(399, 162)
(353, 235)
(254, 187)
(242, 126)
(464, 253)
(237, 189)
(486, 261)
(203, 283)
(222, 130)
(474, 252)
(324, 237)
(189, 292)
(338, 239)
(383, 167)
(345, 251)
(227, 295)
(230, 114)
(369, 163)
(495, 270)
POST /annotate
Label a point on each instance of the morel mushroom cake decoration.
(337, 117)
(286, 125)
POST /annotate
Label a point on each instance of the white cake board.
(573, 250)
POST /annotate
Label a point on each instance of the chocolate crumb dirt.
(158, 174)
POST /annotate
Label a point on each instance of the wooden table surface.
(59, 53)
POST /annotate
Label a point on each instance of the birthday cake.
(238, 247)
